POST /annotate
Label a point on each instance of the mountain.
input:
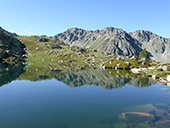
(9, 45)
(114, 40)
(13, 34)
(157, 46)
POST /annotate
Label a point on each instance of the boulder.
(143, 63)
(136, 70)
(154, 77)
(128, 63)
(164, 68)
(168, 78)
(151, 68)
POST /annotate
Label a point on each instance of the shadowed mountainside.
(9, 45)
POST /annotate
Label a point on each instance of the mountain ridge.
(116, 40)
(13, 34)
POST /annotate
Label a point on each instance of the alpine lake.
(51, 98)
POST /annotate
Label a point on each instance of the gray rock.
(143, 63)
(136, 70)
(154, 76)
(164, 68)
(128, 63)
(168, 78)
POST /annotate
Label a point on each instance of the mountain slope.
(13, 34)
(9, 45)
(108, 39)
(158, 46)
(117, 41)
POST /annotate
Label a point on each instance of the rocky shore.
(156, 70)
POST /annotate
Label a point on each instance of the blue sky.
(50, 17)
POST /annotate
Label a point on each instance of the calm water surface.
(53, 104)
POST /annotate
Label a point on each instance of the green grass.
(41, 59)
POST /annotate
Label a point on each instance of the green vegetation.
(49, 55)
(61, 56)
(143, 54)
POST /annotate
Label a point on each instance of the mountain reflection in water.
(50, 103)
(85, 77)
(96, 77)
(9, 72)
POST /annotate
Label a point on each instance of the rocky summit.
(114, 40)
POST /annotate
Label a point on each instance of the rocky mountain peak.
(118, 41)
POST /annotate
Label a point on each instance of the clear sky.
(50, 17)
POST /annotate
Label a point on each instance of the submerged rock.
(146, 108)
(163, 124)
(138, 117)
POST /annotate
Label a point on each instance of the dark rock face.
(117, 41)
(10, 46)
(43, 39)
(12, 34)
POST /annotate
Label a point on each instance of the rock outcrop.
(118, 41)
(10, 46)
(13, 34)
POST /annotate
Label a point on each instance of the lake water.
(83, 99)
